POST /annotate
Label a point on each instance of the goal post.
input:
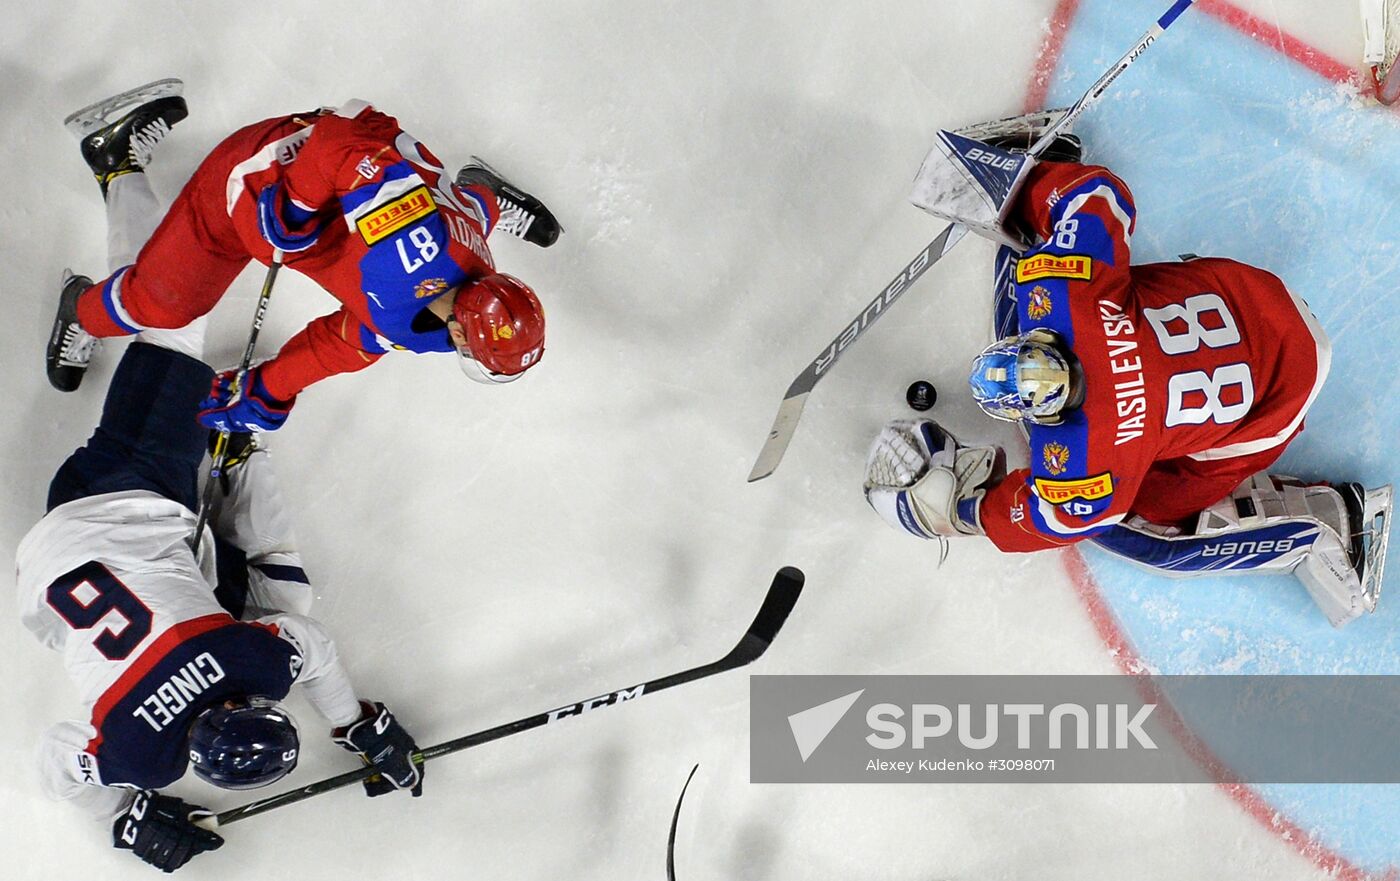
(1381, 22)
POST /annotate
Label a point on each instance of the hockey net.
(1381, 19)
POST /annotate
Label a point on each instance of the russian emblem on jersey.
(1038, 304)
(383, 222)
(430, 287)
(1056, 457)
(1039, 266)
(1057, 492)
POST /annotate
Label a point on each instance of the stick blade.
(777, 605)
(675, 822)
(784, 426)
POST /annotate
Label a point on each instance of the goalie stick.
(781, 597)
(790, 411)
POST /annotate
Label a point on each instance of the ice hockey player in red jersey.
(342, 195)
(1154, 397)
(180, 661)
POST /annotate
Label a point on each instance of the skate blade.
(477, 160)
(1035, 123)
(82, 123)
(1376, 520)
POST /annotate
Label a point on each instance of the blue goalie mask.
(1027, 377)
(244, 746)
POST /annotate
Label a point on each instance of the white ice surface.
(732, 177)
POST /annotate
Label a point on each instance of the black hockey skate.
(1368, 516)
(117, 135)
(522, 215)
(70, 347)
(1354, 496)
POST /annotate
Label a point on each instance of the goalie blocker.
(920, 480)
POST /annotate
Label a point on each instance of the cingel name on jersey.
(176, 693)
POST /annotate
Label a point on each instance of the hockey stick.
(220, 455)
(782, 595)
(675, 822)
(790, 411)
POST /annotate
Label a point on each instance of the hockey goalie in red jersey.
(342, 195)
(1153, 397)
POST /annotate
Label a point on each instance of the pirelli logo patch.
(1040, 266)
(383, 222)
(1057, 492)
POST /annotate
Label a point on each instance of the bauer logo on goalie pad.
(1040, 266)
(1058, 492)
(1237, 548)
(382, 222)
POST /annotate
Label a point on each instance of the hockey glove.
(381, 741)
(160, 830)
(252, 409)
(285, 224)
(920, 480)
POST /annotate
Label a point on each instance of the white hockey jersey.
(110, 581)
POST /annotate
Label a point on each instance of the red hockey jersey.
(397, 232)
(1185, 364)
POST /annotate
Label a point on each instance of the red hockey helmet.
(500, 328)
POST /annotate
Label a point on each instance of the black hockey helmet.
(244, 744)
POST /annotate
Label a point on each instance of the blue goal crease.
(1235, 150)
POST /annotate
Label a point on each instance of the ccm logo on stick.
(594, 703)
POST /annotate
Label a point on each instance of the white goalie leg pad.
(917, 474)
(1274, 524)
(1325, 568)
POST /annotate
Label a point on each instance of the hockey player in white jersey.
(178, 661)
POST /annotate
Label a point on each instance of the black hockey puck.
(921, 395)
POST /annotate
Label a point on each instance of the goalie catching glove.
(921, 481)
